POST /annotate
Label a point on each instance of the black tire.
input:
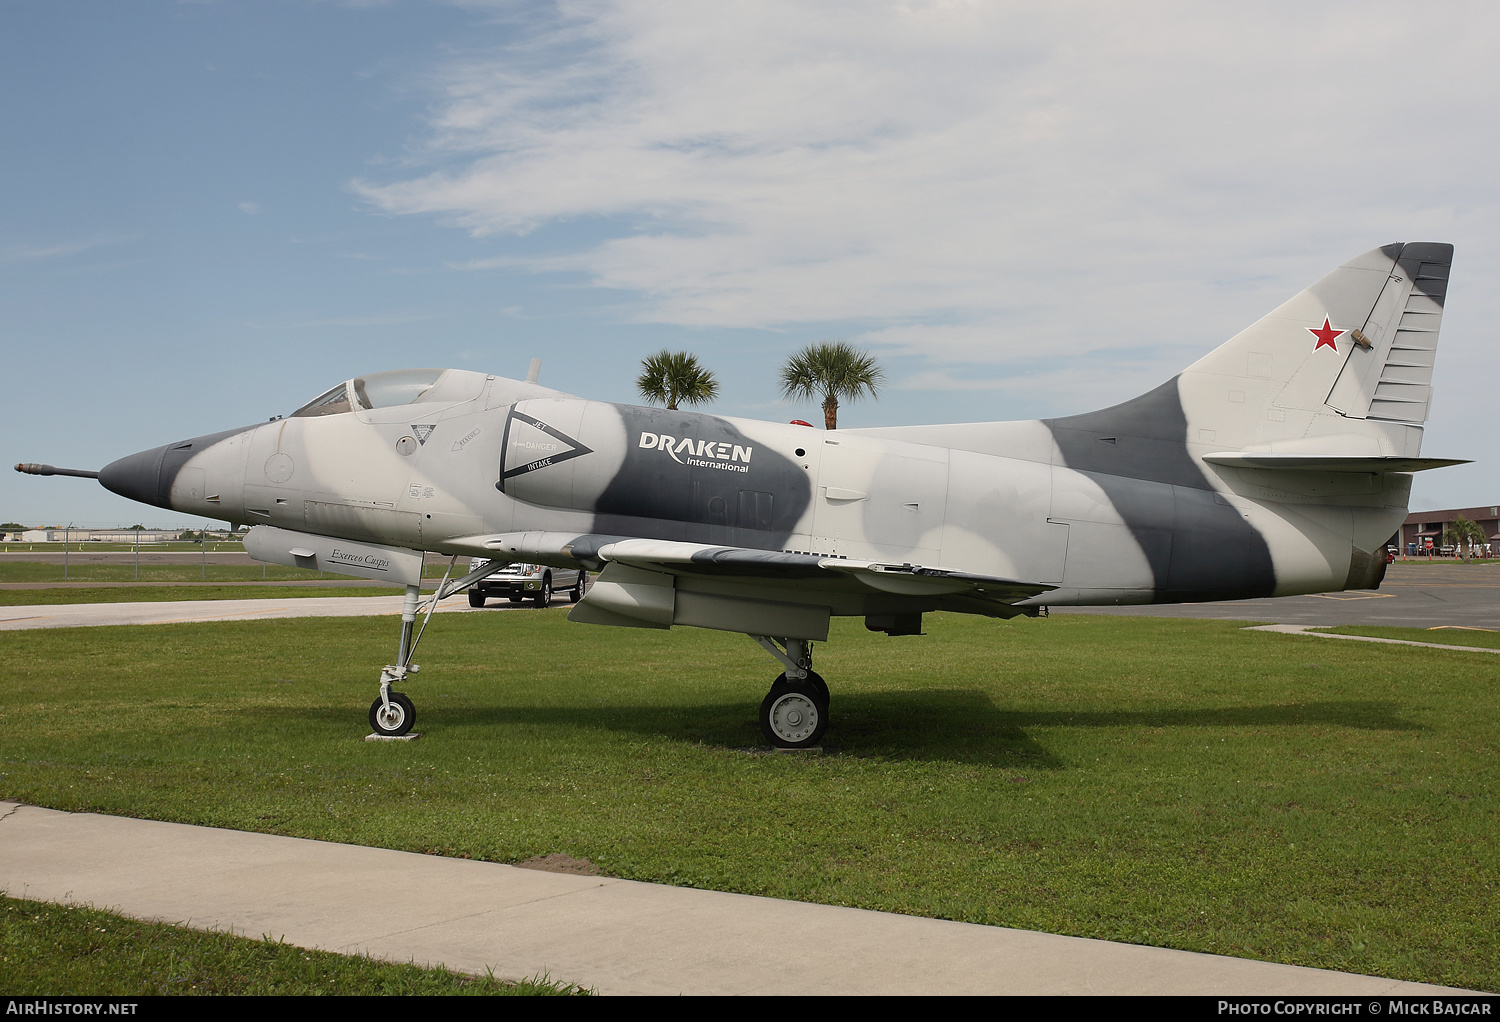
(793, 715)
(395, 722)
(819, 686)
(581, 587)
(814, 680)
(476, 598)
(544, 594)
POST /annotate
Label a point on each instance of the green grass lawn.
(1448, 636)
(114, 570)
(1171, 782)
(117, 570)
(157, 594)
(61, 950)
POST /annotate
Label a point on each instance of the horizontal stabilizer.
(1327, 462)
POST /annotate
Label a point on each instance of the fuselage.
(1118, 509)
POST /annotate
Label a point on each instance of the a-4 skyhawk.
(1277, 464)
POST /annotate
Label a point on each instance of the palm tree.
(1464, 535)
(675, 377)
(831, 370)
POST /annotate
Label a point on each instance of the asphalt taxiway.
(1413, 595)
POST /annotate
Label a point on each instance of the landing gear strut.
(794, 714)
(392, 713)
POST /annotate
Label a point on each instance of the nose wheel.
(393, 719)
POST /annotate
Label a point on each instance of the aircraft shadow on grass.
(943, 725)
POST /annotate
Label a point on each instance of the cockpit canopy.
(383, 390)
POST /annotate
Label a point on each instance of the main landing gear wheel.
(794, 714)
(393, 720)
(476, 598)
(819, 686)
(544, 594)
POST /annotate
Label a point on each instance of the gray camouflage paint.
(672, 475)
(999, 500)
(148, 476)
(1137, 453)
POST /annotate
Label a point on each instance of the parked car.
(535, 582)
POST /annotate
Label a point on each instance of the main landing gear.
(794, 714)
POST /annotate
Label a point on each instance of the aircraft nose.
(148, 475)
(138, 477)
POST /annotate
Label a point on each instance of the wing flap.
(1326, 462)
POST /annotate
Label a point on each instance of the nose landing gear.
(392, 713)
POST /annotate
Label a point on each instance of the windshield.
(401, 387)
(377, 390)
(334, 401)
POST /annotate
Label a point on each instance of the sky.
(212, 211)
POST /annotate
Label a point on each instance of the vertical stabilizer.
(1345, 367)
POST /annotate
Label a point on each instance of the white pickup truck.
(535, 582)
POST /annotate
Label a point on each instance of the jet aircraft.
(1277, 464)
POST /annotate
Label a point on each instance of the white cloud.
(968, 181)
(250, 208)
(58, 249)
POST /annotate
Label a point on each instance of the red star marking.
(1326, 335)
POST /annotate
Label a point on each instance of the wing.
(657, 583)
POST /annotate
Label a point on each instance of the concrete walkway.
(79, 615)
(614, 936)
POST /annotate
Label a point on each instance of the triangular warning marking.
(423, 432)
(575, 449)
